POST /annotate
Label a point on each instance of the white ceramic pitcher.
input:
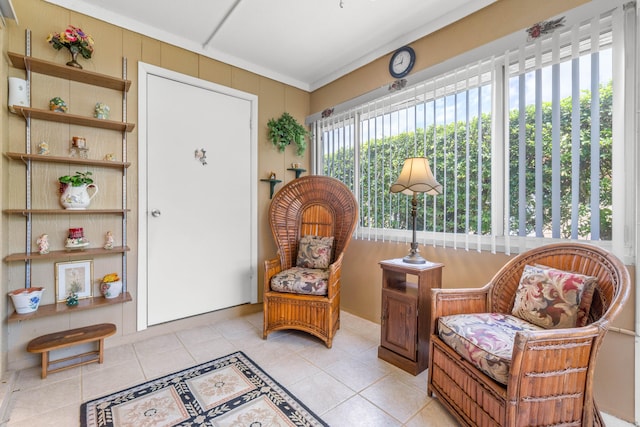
(78, 197)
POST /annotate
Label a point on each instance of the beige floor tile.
(198, 335)
(155, 345)
(41, 400)
(353, 343)
(160, 364)
(320, 392)
(114, 356)
(288, 368)
(358, 411)
(65, 416)
(111, 379)
(354, 373)
(398, 399)
(322, 356)
(432, 415)
(211, 349)
(325, 380)
(32, 377)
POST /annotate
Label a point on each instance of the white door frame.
(145, 70)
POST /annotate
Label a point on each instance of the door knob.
(156, 213)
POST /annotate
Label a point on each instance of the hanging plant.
(286, 130)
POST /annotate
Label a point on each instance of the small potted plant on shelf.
(285, 130)
(74, 189)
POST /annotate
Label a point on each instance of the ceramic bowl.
(26, 300)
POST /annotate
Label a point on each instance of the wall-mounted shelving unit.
(34, 65)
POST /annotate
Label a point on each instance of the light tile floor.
(346, 385)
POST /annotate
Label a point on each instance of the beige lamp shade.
(416, 177)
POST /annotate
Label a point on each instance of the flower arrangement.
(74, 39)
(111, 277)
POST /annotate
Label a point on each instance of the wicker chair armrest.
(271, 268)
(335, 273)
(445, 302)
(563, 353)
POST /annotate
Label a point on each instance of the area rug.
(229, 391)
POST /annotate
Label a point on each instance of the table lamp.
(415, 177)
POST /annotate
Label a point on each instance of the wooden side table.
(406, 313)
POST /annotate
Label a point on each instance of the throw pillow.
(588, 295)
(314, 252)
(552, 298)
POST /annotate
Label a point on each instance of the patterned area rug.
(229, 391)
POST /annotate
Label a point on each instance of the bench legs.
(98, 356)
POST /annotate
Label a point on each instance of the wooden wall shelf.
(64, 72)
(62, 308)
(25, 212)
(34, 256)
(67, 160)
(73, 119)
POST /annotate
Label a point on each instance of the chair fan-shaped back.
(589, 260)
(312, 205)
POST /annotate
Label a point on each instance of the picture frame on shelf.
(74, 277)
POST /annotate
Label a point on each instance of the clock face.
(402, 62)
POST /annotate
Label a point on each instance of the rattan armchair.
(550, 381)
(310, 205)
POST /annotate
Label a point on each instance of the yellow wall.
(361, 274)
(361, 288)
(112, 44)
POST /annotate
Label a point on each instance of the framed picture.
(74, 276)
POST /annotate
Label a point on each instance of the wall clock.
(402, 61)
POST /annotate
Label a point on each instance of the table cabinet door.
(399, 323)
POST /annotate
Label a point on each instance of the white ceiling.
(304, 43)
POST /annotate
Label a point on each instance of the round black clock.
(402, 61)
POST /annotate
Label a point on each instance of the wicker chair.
(550, 381)
(310, 205)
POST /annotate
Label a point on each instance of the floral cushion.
(314, 252)
(484, 339)
(552, 298)
(297, 280)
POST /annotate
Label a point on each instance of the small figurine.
(272, 175)
(79, 147)
(102, 111)
(108, 240)
(43, 148)
(110, 157)
(58, 105)
(43, 244)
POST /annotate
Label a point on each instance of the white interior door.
(199, 207)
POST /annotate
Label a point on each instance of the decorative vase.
(77, 197)
(26, 300)
(74, 60)
(111, 289)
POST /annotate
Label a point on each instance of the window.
(523, 144)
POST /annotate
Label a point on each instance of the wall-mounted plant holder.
(298, 171)
(272, 184)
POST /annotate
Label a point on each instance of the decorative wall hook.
(544, 27)
(327, 113)
(397, 85)
(201, 155)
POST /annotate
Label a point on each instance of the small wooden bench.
(58, 340)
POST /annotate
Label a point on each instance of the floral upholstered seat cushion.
(484, 339)
(314, 252)
(553, 298)
(298, 280)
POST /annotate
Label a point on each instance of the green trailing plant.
(77, 180)
(285, 130)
